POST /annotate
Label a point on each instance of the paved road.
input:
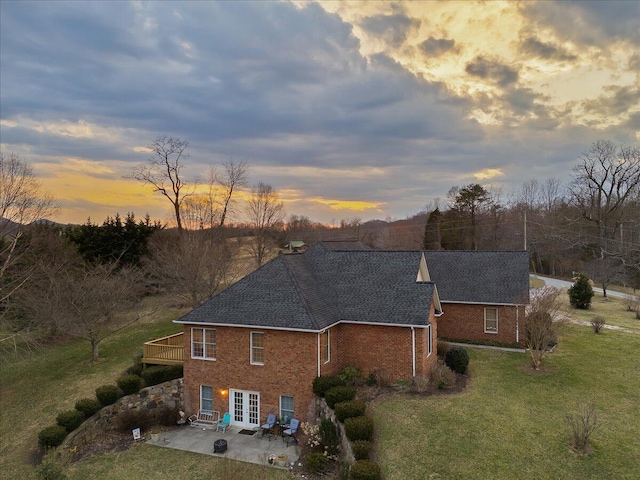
(554, 282)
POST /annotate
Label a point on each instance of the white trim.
(327, 334)
(413, 352)
(354, 322)
(294, 406)
(201, 397)
(204, 344)
(319, 333)
(480, 304)
(246, 408)
(485, 320)
(518, 323)
(429, 341)
(251, 360)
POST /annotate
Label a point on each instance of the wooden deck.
(164, 351)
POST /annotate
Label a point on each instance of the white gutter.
(413, 352)
(318, 354)
(517, 324)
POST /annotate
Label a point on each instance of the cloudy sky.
(349, 109)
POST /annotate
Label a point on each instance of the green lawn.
(509, 423)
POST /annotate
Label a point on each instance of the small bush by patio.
(322, 384)
(359, 428)
(88, 406)
(52, 436)
(317, 462)
(457, 359)
(70, 420)
(442, 376)
(352, 408)
(107, 394)
(361, 449)
(130, 384)
(166, 416)
(339, 394)
(365, 470)
(136, 418)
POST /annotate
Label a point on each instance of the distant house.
(256, 347)
(296, 246)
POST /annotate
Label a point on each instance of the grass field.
(509, 423)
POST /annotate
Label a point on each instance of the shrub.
(597, 324)
(382, 378)
(352, 408)
(339, 394)
(322, 384)
(442, 348)
(581, 292)
(52, 436)
(361, 449)
(130, 384)
(107, 394)
(421, 383)
(359, 428)
(70, 420)
(442, 376)
(137, 418)
(350, 374)
(582, 424)
(317, 462)
(88, 406)
(457, 359)
(166, 415)
(135, 370)
(159, 374)
(365, 470)
(329, 436)
(50, 471)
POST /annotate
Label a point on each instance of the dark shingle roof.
(480, 276)
(321, 287)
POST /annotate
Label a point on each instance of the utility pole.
(525, 231)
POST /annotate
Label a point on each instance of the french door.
(245, 408)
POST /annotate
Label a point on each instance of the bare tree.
(542, 322)
(163, 172)
(606, 179)
(235, 176)
(264, 211)
(22, 202)
(606, 271)
(194, 265)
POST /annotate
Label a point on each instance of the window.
(203, 343)
(286, 408)
(206, 398)
(326, 347)
(257, 348)
(429, 341)
(491, 320)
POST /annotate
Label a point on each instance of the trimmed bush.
(317, 462)
(361, 449)
(107, 394)
(365, 470)
(136, 418)
(350, 374)
(359, 428)
(322, 384)
(70, 420)
(130, 384)
(352, 408)
(135, 369)
(52, 436)
(457, 359)
(442, 376)
(159, 374)
(339, 394)
(88, 406)
(50, 471)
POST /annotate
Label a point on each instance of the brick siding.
(466, 322)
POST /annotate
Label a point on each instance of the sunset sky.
(348, 109)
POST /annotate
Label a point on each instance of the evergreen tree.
(581, 292)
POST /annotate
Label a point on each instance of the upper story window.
(326, 347)
(203, 343)
(491, 320)
(257, 348)
(429, 340)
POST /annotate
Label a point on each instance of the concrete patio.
(245, 448)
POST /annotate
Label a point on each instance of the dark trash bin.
(220, 446)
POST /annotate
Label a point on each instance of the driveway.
(557, 283)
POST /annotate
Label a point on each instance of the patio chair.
(291, 431)
(269, 424)
(224, 423)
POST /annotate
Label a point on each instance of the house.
(295, 246)
(483, 294)
(256, 347)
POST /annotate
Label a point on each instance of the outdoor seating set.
(287, 431)
(210, 419)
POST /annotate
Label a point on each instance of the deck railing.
(164, 351)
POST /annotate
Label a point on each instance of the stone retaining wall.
(169, 394)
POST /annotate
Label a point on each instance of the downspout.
(318, 354)
(413, 352)
(517, 324)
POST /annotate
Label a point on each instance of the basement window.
(490, 320)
